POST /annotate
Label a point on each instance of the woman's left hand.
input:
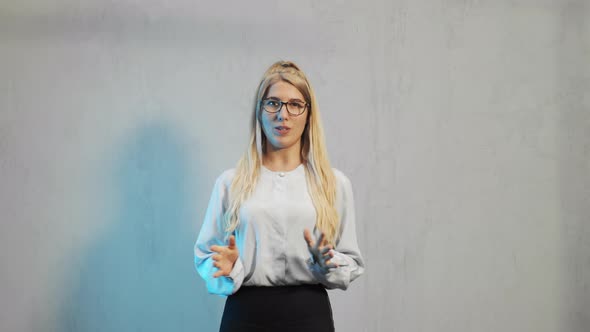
(321, 254)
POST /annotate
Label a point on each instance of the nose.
(280, 114)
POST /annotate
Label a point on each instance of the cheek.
(301, 126)
(265, 124)
(268, 129)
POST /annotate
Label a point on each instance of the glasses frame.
(286, 103)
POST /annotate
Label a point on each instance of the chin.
(281, 144)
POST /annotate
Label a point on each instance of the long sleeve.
(212, 233)
(347, 253)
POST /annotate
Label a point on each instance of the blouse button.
(281, 174)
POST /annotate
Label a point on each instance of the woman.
(255, 245)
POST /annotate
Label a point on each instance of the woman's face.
(282, 129)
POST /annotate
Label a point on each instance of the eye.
(296, 104)
(272, 103)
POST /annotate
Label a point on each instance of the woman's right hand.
(225, 258)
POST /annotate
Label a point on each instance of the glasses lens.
(296, 107)
(271, 105)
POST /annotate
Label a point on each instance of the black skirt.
(279, 308)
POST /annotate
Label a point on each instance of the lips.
(282, 130)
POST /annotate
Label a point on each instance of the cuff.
(341, 259)
(237, 269)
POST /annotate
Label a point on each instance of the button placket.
(279, 180)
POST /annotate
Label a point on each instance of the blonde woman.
(280, 227)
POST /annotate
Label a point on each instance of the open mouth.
(282, 130)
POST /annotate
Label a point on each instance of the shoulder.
(340, 176)
(344, 192)
(225, 178)
(342, 180)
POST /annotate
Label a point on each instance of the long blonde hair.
(318, 172)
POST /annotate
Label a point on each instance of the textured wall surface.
(463, 125)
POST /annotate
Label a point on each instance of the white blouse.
(272, 249)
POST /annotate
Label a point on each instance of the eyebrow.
(292, 99)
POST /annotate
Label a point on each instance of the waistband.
(281, 289)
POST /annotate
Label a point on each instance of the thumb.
(232, 242)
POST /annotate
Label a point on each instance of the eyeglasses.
(294, 108)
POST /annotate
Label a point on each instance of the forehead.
(284, 91)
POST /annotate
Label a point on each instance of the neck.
(282, 159)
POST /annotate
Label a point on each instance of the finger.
(219, 274)
(216, 257)
(325, 250)
(216, 248)
(329, 264)
(324, 241)
(307, 236)
(320, 240)
(232, 242)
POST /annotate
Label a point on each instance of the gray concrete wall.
(463, 125)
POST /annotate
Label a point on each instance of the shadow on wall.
(138, 275)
